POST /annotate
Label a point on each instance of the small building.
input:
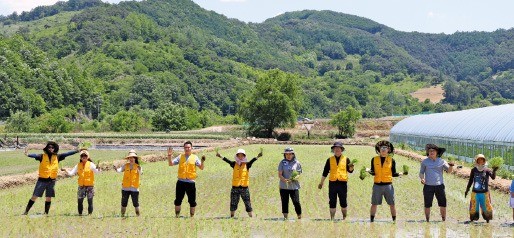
(488, 131)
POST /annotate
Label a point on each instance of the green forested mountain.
(96, 62)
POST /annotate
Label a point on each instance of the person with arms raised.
(187, 163)
(47, 173)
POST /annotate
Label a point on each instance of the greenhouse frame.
(464, 134)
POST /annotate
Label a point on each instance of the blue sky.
(430, 16)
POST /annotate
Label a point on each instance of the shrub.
(284, 136)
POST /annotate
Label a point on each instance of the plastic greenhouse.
(488, 131)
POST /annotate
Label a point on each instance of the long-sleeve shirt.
(480, 180)
(432, 171)
(382, 160)
(60, 157)
(512, 187)
(75, 169)
(326, 169)
(233, 163)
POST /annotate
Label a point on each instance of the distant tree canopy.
(99, 60)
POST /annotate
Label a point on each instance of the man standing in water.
(187, 163)
(431, 176)
(338, 166)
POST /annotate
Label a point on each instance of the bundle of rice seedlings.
(496, 162)
(354, 161)
(85, 145)
(363, 173)
(405, 169)
(294, 175)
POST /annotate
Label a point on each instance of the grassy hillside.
(140, 56)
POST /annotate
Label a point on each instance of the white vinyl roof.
(494, 123)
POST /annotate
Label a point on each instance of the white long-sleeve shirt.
(75, 169)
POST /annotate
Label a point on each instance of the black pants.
(182, 189)
(125, 196)
(429, 192)
(295, 197)
(90, 205)
(337, 189)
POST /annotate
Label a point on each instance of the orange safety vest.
(240, 176)
(383, 173)
(187, 170)
(86, 175)
(338, 171)
(131, 176)
(48, 167)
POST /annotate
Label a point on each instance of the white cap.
(241, 151)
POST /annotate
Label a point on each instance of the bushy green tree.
(274, 102)
(127, 121)
(345, 121)
(55, 121)
(172, 117)
(19, 122)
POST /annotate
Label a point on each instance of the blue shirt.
(287, 167)
(512, 187)
(432, 171)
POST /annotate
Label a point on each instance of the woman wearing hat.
(47, 173)
(431, 176)
(240, 180)
(130, 185)
(288, 171)
(383, 167)
(86, 170)
(338, 166)
(480, 196)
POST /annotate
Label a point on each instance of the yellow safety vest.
(240, 176)
(48, 167)
(131, 176)
(338, 171)
(383, 173)
(86, 175)
(187, 170)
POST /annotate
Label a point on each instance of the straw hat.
(132, 153)
(480, 156)
(84, 152)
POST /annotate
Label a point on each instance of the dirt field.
(434, 93)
